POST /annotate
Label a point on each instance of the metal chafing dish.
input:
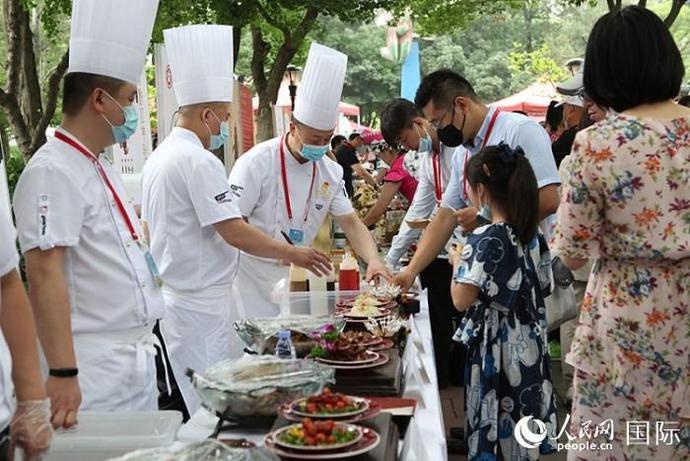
(261, 334)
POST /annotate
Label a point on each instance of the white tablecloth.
(425, 438)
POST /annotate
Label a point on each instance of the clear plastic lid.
(284, 334)
(254, 373)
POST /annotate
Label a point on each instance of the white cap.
(573, 101)
(111, 37)
(319, 92)
(200, 58)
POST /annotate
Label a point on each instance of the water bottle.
(284, 347)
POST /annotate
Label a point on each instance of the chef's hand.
(65, 398)
(404, 280)
(30, 428)
(312, 260)
(467, 218)
(376, 268)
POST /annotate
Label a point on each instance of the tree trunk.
(528, 14)
(28, 113)
(267, 86)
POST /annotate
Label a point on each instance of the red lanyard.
(286, 192)
(489, 129)
(101, 171)
(438, 187)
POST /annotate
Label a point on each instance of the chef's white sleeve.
(245, 184)
(9, 258)
(210, 193)
(341, 205)
(49, 208)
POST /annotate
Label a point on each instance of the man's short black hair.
(337, 140)
(631, 59)
(442, 87)
(396, 116)
(354, 136)
(78, 86)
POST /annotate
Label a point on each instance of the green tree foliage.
(371, 80)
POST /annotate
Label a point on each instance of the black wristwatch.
(63, 372)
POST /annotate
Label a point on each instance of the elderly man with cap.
(192, 216)
(573, 111)
(93, 284)
(285, 186)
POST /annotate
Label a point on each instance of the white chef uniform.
(8, 262)
(62, 200)
(426, 200)
(314, 188)
(257, 182)
(185, 192)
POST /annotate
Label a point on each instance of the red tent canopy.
(369, 135)
(533, 100)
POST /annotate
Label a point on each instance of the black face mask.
(449, 135)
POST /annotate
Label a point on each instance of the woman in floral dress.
(626, 205)
(501, 278)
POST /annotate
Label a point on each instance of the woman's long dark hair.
(510, 180)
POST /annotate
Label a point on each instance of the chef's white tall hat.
(319, 92)
(111, 37)
(200, 58)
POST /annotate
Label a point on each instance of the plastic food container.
(104, 435)
(258, 385)
(261, 334)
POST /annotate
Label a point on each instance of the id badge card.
(297, 236)
(151, 264)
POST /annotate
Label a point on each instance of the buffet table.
(425, 436)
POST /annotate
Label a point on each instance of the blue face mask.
(313, 153)
(218, 140)
(122, 132)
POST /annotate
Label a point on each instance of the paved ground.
(452, 399)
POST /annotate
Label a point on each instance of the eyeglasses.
(437, 124)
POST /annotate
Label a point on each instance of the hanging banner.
(166, 102)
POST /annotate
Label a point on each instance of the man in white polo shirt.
(192, 217)
(94, 286)
(449, 102)
(285, 186)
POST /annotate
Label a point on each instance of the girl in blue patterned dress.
(500, 281)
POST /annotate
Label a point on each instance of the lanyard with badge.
(121, 208)
(438, 186)
(296, 234)
(489, 129)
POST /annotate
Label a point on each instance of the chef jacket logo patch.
(236, 190)
(43, 208)
(223, 198)
(324, 190)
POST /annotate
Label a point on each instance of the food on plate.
(385, 290)
(312, 433)
(341, 350)
(329, 403)
(363, 338)
(365, 306)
